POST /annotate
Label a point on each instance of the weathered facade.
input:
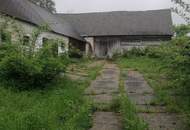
(28, 20)
(99, 34)
(28, 29)
(114, 32)
(107, 46)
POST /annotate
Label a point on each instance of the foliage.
(180, 62)
(5, 35)
(61, 107)
(6, 49)
(47, 4)
(25, 67)
(182, 30)
(28, 72)
(167, 69)
(182, 8)
(131, 121)
(175, 54)
(134, 52)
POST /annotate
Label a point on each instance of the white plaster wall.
(188, 34)
(50, 35)
(28, 30)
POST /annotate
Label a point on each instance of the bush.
(180, 63)
(182, 30)
(31, 72)
(6, 49)
(134, 52)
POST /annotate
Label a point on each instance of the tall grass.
(128, 111)
(61, 106)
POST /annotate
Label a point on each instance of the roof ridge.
(166, 9)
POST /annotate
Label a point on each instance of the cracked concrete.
(102, 91)
(141, 94)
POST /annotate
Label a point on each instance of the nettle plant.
(25, 67)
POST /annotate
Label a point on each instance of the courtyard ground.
(123, 100)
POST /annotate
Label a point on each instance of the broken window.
(62, 46)
(45, 42)
(26, 40)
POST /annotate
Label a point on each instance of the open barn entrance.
(105, 46)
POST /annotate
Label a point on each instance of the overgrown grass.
(61, 106)
(156, 73)
(128, 111)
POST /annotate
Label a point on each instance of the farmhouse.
(29, 16)
(99, 34)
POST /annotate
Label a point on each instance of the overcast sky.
(83, 6)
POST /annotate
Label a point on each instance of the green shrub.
(6, 49)
(182, 30)
(180, 64)
(31, 72)
(134, 52)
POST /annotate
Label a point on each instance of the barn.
(107, 33)
(100, 34)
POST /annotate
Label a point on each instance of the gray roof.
(27, 11)
(155, 22)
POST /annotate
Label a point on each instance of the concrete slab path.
(141, 94)
(102, 91)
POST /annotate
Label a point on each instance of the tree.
(182, 7)
(47, 4)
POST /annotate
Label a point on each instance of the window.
(62, 46)
(26, 40)
(45, 41)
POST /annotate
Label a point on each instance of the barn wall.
(28, 29)
(107, 46)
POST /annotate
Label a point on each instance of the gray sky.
(83, 6)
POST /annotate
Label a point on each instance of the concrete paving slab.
(106, 121)
(162, 121)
